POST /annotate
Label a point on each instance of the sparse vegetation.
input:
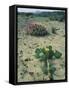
(44, 29)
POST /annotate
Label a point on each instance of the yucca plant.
(45, 55)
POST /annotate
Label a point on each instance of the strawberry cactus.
(37, 30)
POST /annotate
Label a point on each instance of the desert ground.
(29, 67)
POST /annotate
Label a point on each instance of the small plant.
(38, 30)
(53, 30)
(46, 54)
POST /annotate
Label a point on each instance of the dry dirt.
(30, 68)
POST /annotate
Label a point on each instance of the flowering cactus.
(37, 30)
